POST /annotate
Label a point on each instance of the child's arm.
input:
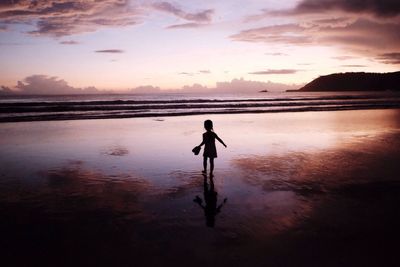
(202, 143)
(220, 140)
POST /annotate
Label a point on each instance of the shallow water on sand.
(317, 186)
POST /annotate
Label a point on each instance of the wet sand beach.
(301, 189)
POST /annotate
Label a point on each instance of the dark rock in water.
(354, 81)
(263, 91)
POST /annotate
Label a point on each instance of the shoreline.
(183, 114)
(101, 107)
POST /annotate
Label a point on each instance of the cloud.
(69, 42)
(45, 85)
(4, 90)
(276, 54)
(189, 25)
(343, 57)
(390, 58)
(195, 88)
(48, 85)
(243, 86)
(146, 89)
(353, 66)
(378, 8)
(204, 71)
(201, 16)
(359, 36)
(150, 89)
(186, 73)
(284, 33)
(112, 51)
(237, 86)
(194, 73)
(351, 25)
(58, 18)
(268, 72)
(233, 86)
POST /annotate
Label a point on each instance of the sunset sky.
(119, 45)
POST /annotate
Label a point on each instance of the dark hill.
(355, 81)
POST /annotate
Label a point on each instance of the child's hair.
(208, 125)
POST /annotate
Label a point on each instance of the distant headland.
(353, 81)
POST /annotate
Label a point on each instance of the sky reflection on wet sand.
(125, 188)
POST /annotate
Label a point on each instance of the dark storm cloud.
(63, 17)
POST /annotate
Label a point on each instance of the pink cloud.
(379, 8)
(390, 58)
(146, 89)
(242, 86)
(353, 66)
(46, 85)
(69, 42)
(111, 51)
(359, 36)
(269, 72)
(367, 28)
(64, 17)
(189, 25)
(284, 33)
(201, 16)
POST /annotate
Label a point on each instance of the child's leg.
(205, 164)
(211, 165)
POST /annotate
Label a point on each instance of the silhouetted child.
(210, 151)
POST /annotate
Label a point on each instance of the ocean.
(73, 107)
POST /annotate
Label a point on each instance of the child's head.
(208, 125)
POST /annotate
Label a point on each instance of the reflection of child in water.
(210, 151)
(211, 198)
